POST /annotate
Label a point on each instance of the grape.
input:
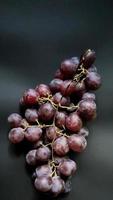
(16, 135)
(43, 154)
(89, 96)
(43, 183)
(88, 58)
(80, 89)
(52, 132)
(55, 85)
(60, 146)
(43, 170)
(92, 69)
(15, 120)
(84, 132)
(43, 90)
(60, 119)
(69, 67)
(93, 81)
(31, 115)
(77, 143)
(68, 87)
(59, 99)
(87, 109)
(57, 185)
(31, 157)
(73, 122)
(58, 160)
(67, 167)
(30, 97)
(59, 75)
(46, 112)
(33, 133)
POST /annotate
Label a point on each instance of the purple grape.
(93, 81)
(80, 89)
(84, 132)
(15, 120)
(89, 96)
(31, 115)
(59, 75)
(88, 58)
(43, 90)
(43, 183)
(16, 135)
(77, 143)
(31, 157)
(46, 112)
(33, 133)
(60, 119)
(60, 146)
(43, 170)
(55, 85)
(73, 122)
(67, 167)
(43, 154)
(58, 185)
(52, 132)
(69, 67)
(68, 87)
(87, 109)
(59, 99)
(30, 97)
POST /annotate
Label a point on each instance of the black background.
(35, 36)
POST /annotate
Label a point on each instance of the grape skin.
(46, 112)
(73, 122)
(33, 134)
(60, 146)
(15, 120)
(31, 115)
(16, 135)
(43, 183)
(43, 154)
(77, 143)
(67, 167)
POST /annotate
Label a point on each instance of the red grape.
(93, 81)
(87, 109)
(67, 167)
(73, 122)
(88, 58)
(30, 97)
(60, 146)
(43, 183)
(77, 143)
(43, 170)
(46, 112)
(59, 99)
(43, 154)
(43, 90)
(31, 115)
(89, 96)
(58, 185)
(15, 120)
(33, 133)
(16, 135)
(60, 119)
(52, 132)
(55, 85)
(31, 157)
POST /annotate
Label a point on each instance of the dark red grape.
(31, 115)
(16, 135)
(87, 109)
(15, 120)
(93, 81)
(43, 183)
(67, 167)
(43, 90)
(43, 170)
(59, 75)
(59, 99)
(46, 112)
(89, 96)
(69, 67)
(60, 146)
(73, 122)
(68, 87)
(31, 157)
(43, 154)
(84, 132)
(88, 58)
(55, 85)
(58, 185)
(33, 133)
(52, 132)
(77, 143)
(80, 89)
(30, 97)
(60, 119)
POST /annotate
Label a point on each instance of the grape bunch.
(54, 121)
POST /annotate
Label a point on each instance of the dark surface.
(34, 39)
